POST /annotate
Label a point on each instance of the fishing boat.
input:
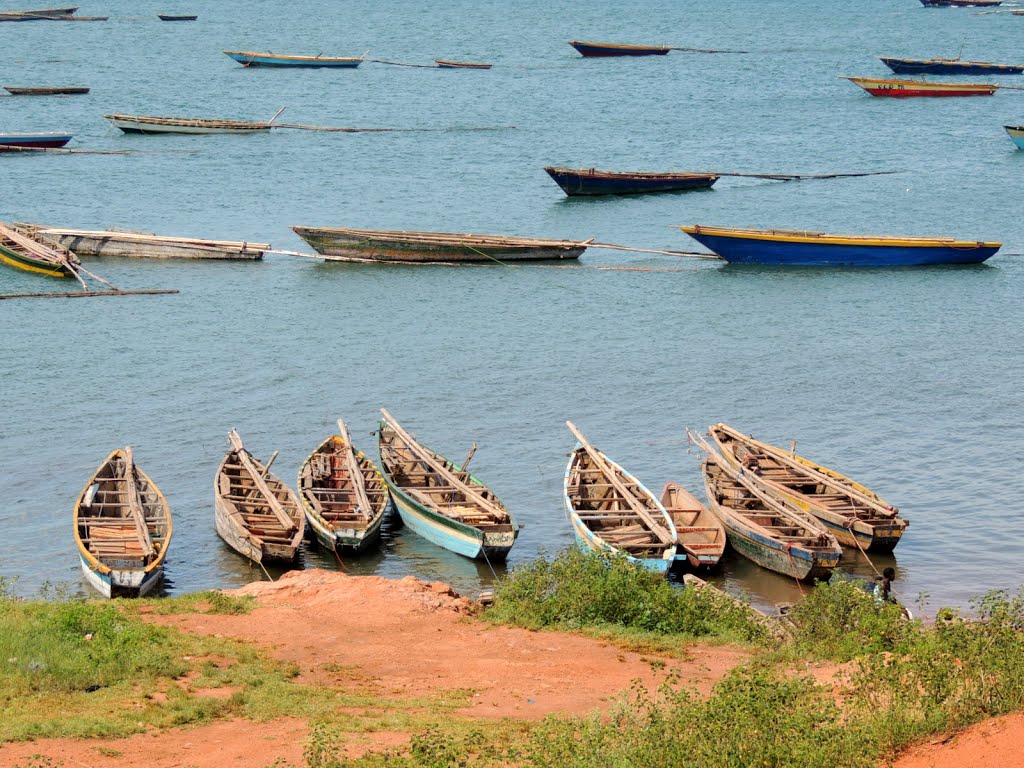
(603, 50)
(591, 181)
(29, 252)
(403, 247)
(440, 500)
(152, 125)
(854, 514)
(444, 64)
(51, 90)
(961, 3)
(10, 142)
(343, 495)
(611, 511)
(42, 13)
(253, 59)
(700, 535)
(256, 514)
(765, 529)
(908, 89)
(796, 248)
(122, 528)
(88, 242)
(170, 17)
(1016, 134)
(949, 67)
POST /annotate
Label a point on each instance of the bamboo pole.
(254, 473)
(135, 504)
(355, 473)
(339, 129)
(703, 50)
(84, 294)
(64, 151)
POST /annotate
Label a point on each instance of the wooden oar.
(657, 528)
(135, 504)
(355, 473)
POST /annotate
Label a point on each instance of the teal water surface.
(908, 380)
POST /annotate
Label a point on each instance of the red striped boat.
(905, 89)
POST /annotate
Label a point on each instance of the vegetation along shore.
(581, 660)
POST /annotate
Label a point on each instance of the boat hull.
(26, 263)
(793, 562)
(357, 246)
(460, 64)
(835, 251)
(43, 141)
(130, 126)
(911, 89)
(45, 13)
(122, 583)
(1016, 134)
(951, 67)
(607, 50)
(44, 91)
(248, 546)
(589, 542)
(344, 539)
(305, 62)
(592, 182)
(123, 245)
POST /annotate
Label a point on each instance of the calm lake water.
(908, 380)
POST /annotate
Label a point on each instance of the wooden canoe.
(1016, 134)
(87, 242)
(122, 528)
(172, 17)
(764, 528)
(23, 249)
(593, 181)
(12, 142)
(343, 495)
(906, 89)
(604, 50)
(700, 535)
(612, 511)
(940, 66)
(440, 500)
(405, 247)
(148, 124)
(255, 59)
(42, 13)
(255, 512)
(445, 64)
(855, 515)
(46, 90)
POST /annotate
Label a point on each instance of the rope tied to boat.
(849, 527)
(792, 563)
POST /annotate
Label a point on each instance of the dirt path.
(996, 742)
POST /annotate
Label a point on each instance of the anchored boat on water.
(10, 142)
(1016, 133)
(24, 249)
(254, 59)
(87, 242)
(343, 495)
(780, 247)
(949, 67)
(591, 181)
(42, 14)
(700, 535)
(854, 514)
(46, 90)
(612, 511)
(446, 64)
(122, 528)
(906, 89)
(403, 247)
(440, 500)
(148, 124)
(604, 50)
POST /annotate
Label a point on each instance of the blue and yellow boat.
(440, 500)
(254, 59)
(797, 248)
(1016, 133)
(25, 251)
(611, 511)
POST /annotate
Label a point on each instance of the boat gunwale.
(292, 57)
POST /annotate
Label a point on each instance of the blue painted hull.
(1016, 135)
(596, 184)
(738, 250)
(307, 63)
(910, 67)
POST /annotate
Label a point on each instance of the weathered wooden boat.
(41, 13)
(1018, 13)
(765, 529)
(854, 514)
(949, 67)
(440, 500)
(780, 247)
(343, 244)
(445, 64)
(122, 528)
(145, 245)
(591, 181)
(254, 59)
(171, 17)
(700, 535)
(908, 89)
(256, 514)
(961, 3)
(32, 140)
(603, 50)
(612, 511)
(29, 252)
(48, 90)
(343, 495)
(1016, 133)
(150, 125)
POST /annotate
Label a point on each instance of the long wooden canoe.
(148, 124)
(700, 534)
(404, 247)
(174, 17)
(10, 142)
(42, 13)
(853, 513)
(939, 66)
(343, 495)
(87, 242)
(446, 64)
(593, 181)
(605, 50)
(254, 59)
(440, 500)
(906, 89)
(122, 528)
(46, 90)
(255, 512)
(612, 511)
(25, 250)
(763, 528)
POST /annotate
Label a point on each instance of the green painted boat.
(23, 250)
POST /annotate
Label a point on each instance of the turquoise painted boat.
(1016, 134)
(254, 59)
(343, 495)
(611, 511)
(440, 500)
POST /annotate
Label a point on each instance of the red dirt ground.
(998, 742)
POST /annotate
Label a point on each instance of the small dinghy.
(700, 534)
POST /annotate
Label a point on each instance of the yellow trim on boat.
(30, 268)
(803, 236)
